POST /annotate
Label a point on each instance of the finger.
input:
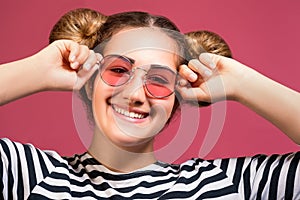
(83, 76)
(86, 72)
(90, 61)
(183, 82)
(187, 73)
(99, 56)
(70, 51)
(207, 60)
(83, 54)
(193, 94)
(73, 48)
(198, 67)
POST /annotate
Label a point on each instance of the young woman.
(132, 97)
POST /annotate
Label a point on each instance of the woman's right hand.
(62, 65)
(66, 65)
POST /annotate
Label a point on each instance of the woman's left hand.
(210, 79)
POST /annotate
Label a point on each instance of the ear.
(89, 89)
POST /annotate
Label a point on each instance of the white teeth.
(132, 115)
(128, 114)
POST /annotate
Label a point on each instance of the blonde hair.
(207, 41)
(80, 25)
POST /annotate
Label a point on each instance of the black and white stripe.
(27, 172)
(265, 177)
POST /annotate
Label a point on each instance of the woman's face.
(128, 114)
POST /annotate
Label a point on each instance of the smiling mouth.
(131, 114)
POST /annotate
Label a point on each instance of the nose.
(134, 90)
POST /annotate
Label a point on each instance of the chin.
(125, 141)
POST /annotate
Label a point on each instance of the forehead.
(138, 39)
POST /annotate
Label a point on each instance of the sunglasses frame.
(131, 61)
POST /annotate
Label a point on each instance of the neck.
(121, 159)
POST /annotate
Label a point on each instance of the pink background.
(261, 34)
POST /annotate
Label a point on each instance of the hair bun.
(80, 25)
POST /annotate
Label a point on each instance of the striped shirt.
(29, 173)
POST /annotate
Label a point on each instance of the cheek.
(98, 104)
(99, 101)
(97, 96)
(171, 105)
(166, 104)
(101, 91)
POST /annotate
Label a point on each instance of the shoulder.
(266, 176)
(23, 166)
(15, 151)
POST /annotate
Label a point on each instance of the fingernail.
(72, 59)
(87, 66)
(74, 65)
(212, 65)
(193, 77)
(208, 73)
(208, 60)
(182, 82)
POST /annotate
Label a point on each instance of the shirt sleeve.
(22, 167)
(264, 177)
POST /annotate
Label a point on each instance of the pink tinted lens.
(158, 90)
(115, 70)
(160, 81)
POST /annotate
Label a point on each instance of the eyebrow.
(164, 67)
(132, 61)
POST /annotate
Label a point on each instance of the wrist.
(37, 72)
(242, 78)
(248, 83)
